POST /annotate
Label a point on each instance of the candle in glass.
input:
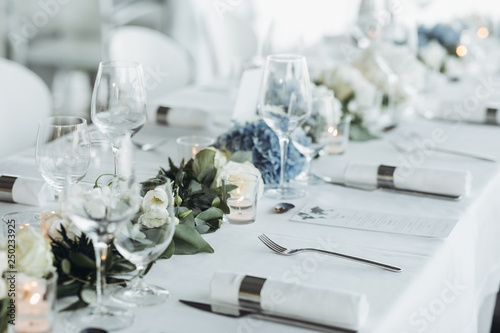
(240, 195)
(35, 303)
(189, 146)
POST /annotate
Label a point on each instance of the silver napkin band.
(6, 186)
(491, 116)
(161, 115)
(385, 176)
(249, 293)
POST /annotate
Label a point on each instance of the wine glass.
(317, 131)
(119, 100)
(62, 150)
(284, 104)
(99, 207)
(143, 240)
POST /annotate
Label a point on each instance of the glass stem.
(115, 158)
(101, 252)
(307, 168)
(283, 140)
(137, 282)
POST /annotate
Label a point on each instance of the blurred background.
(63, 41)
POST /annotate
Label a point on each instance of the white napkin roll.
(483, 112)
(183, 117)
(26, 191)
(323, 306)
(432, 180)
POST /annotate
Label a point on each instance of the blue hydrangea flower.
(258, 138)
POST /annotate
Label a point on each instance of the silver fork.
(288, 252)
(149, 146)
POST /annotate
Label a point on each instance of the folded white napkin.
(25, 190)
(469, 100)
(432, 180)
(485, 112)
(182, 117)
(307, 302)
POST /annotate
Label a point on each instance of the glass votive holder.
(35, 302)
(189, 146)
(13, 222)
(340, 140)
(240, 193)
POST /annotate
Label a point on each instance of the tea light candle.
(33, 311)
(241, 209)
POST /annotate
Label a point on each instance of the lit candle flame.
(461, 50)
(483, 32)
(35, 299)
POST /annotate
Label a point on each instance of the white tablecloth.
(445, 282)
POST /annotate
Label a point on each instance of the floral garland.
(60, 245)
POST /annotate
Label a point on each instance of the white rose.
(156, 198)
(239, 172)
(155, 217)
(97, 200)
(33, 253)
(52, 223)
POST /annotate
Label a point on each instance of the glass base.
(141, 295)
(307, 179)
(289, 191)
(108, 318)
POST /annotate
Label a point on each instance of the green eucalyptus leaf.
(81, 260)
(194, 186)
(211, 213)
(241, 156)
(169, 251)
(66, 266)
(188, 241)
(202, 229)
(203, 160)
(68, 288)
(360, 133)
(79, 304)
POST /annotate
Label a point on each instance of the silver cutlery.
(238, 312)
(407, 143)
(149, 146)
(329, 180)
(288, 252)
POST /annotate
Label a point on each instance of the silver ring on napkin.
(491, 116)
(385, 176)
(6, 186)
(161, 115)
(249, 293)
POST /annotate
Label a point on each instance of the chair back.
(167, 66)
(24, 100)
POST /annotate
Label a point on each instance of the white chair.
(25, 99)
(167, 66)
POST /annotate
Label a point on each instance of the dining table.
(447, 284)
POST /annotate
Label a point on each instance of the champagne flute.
(62, 150)
(99, 208)
(142, 241)
(284, 104)
(119, 100)
(317, 131)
